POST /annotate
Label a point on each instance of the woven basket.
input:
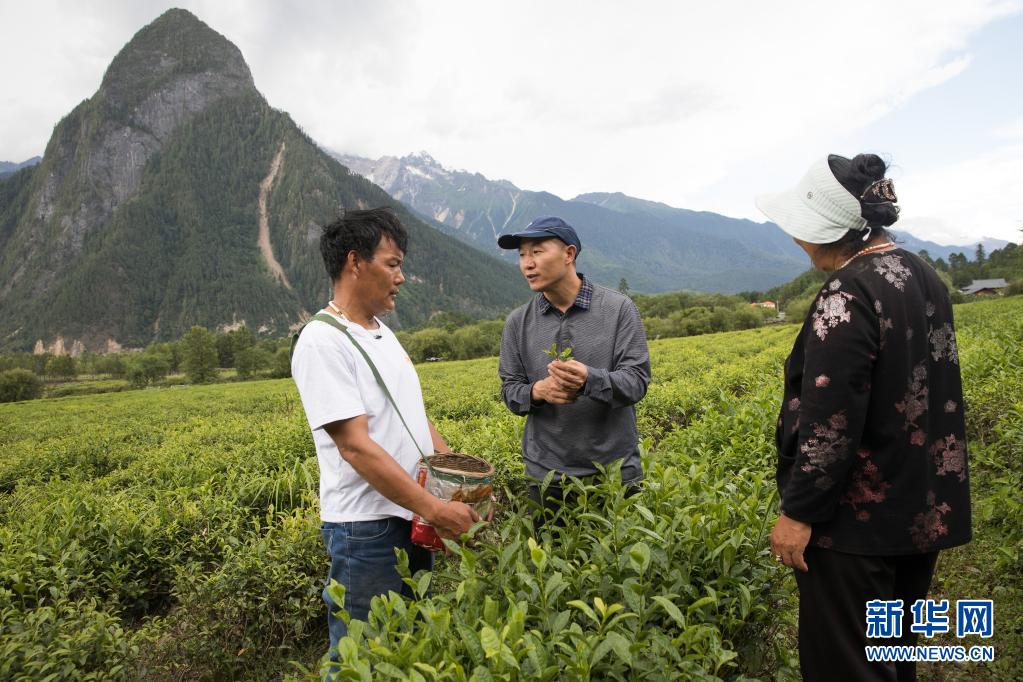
(457, 477)
(460, 477)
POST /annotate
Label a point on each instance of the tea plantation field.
(172, 533)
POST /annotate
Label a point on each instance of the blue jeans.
(362, 559)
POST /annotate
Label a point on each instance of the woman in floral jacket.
(872, 465)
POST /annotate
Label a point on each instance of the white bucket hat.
(818, 210)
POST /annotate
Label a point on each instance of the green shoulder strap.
(332, 321)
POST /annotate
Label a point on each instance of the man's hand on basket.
(451, 519)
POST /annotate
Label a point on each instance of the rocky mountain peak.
(175, 45)
(422, 157)
(176, 196)
(171, 70)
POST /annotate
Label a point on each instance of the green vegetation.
(686, 313)
(681, 313)
(794, 298)
(172, 533)
(199, 355)
(148, 368)
(990, 337)
(62, 367)
(453, 337)
(1005, 263)
(19, 384)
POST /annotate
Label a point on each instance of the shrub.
(19, 384)
(17, 361)
(429, 343)
(147, 368)
(477, 341)
(164, 536)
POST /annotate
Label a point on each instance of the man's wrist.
(431, 508)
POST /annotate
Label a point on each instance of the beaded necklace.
(869, 249)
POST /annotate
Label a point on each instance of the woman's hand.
(788, 540)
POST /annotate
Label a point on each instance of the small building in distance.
(765, 304)
(985, 287)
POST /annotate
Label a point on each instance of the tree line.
(200, 356)
(454, 336)
(1004, 263)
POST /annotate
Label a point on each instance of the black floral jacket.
(871, 437)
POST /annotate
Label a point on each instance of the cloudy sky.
(699, 105)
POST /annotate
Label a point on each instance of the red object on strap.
(423, 534)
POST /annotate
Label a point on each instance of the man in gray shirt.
(580, 412)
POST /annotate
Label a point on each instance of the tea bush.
(261, 601)
(62, 641)
(660, 585)
(171, 533)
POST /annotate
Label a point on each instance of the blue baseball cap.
(542, 228)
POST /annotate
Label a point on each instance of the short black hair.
(361, 232)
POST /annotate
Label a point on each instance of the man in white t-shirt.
(367, 457)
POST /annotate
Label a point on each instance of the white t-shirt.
(336, 383)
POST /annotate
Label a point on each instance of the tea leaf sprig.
(556, 353)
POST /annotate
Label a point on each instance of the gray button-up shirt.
(605, 333)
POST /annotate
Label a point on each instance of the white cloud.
(1012, 130)
(965, 202)
(663, 100)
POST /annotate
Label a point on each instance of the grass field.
(172, 533)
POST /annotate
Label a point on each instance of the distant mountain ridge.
(177, 196)
(935, 250)
(655, 247)
(9, 167)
